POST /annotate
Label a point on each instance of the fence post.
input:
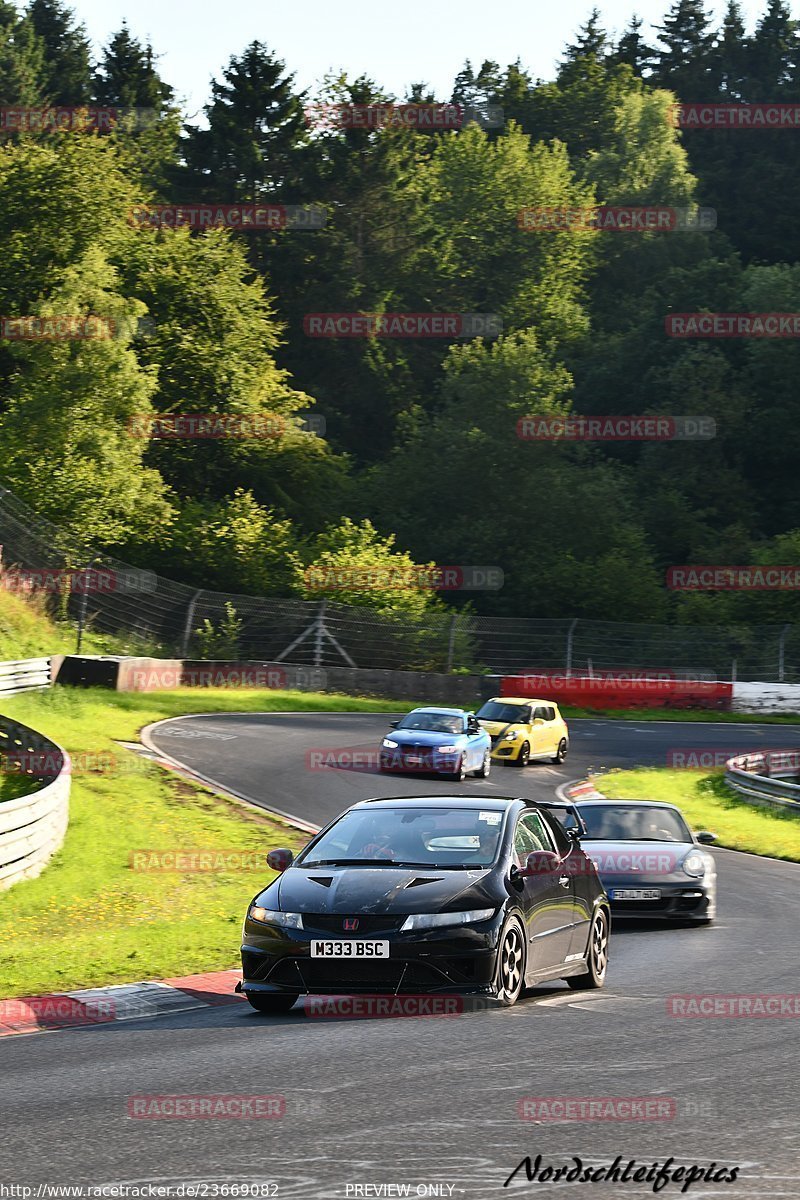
(451, 644)
(319, 633)
(84, 600)
(782, 652)
(570, 633)
(733, 671)
(187, 628)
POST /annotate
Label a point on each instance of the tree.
(255, 127)
(21, 58)
(353, 564)
(66, 74)
(731, 56)
(684, 60)
(126, 76)
(774, 54)
(632, 50)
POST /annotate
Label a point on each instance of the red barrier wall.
(621, 690)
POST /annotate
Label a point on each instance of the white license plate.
(636, 894)
(349, 948)
(412, 758)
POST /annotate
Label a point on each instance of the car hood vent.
(427, 879)
(325, 880)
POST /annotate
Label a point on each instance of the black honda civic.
(450, 894)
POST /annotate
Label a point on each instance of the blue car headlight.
(271, 916)
(389, 744)
(434, 920)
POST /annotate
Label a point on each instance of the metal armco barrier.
(24, 675)
(764, 778)
(32, 827)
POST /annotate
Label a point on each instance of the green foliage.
(220, 641)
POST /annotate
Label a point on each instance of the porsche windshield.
(433, 722)
(420, 837)
(633, 823)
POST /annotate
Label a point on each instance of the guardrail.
(32, 827)
(24, 675)
(762, 778)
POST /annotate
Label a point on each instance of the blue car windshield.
(420, 837)
(434, 722)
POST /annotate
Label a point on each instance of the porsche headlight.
(270, 916)
(389, 744)
(694, 864)
(434, 920)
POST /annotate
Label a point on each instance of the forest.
(421, 461)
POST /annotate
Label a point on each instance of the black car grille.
(334, 923)
(340, 976)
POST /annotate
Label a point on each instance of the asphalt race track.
(433, 1103)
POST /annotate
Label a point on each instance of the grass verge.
(700, 715)
(90, 919)
(709, 804)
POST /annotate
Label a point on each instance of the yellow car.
(524, 729)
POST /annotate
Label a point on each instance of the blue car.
(448, 741)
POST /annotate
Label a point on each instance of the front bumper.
(420, 764)
(687, 899)
(445, 960)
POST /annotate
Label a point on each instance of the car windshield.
(495, 710)
(435, 722)
(633, 823)
(409, 836)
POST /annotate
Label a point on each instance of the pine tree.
(633, 50)
(586, 56)
(126, 76)
(21, 58)
(775, 53)
(255, 125)
(66, 76)
(731, 55)
(685, 64)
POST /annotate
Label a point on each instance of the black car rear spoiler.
(565, 806)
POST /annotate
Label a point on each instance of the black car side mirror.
(705, 837)
(280, 860)
(540, 862)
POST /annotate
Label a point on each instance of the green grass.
(28, 631)
(708, 803)
(683, 714)
(90, 919)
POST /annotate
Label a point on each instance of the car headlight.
(448, 749)
(433, 920)
(694, 864)
(389, 744)
(270, 916)
(509, 737)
